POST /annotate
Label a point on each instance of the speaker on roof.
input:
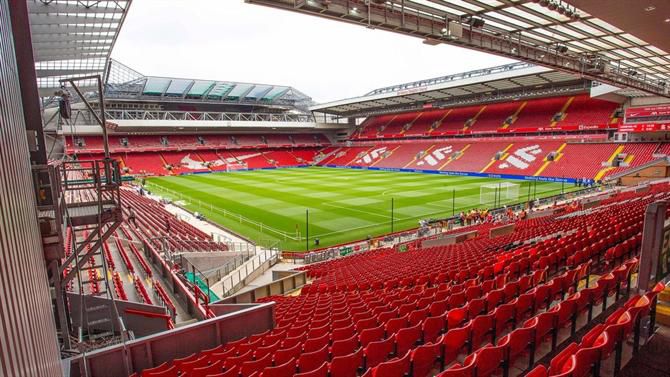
(64, 108)
(478, 22)
(473, 21)
(562, 49)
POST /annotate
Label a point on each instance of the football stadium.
(508, 216)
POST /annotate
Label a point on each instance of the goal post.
(494, 193)
(236, 167)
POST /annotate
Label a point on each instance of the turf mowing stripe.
(337, 198)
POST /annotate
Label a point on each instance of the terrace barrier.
(137, 355)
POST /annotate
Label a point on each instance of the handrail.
(234, 281)
(226, 213)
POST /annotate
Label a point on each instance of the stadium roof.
(73, 38)
(485, 85)
(124, 83)
(552, 33)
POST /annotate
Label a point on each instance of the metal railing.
(113, 114)
(258, 226)
(391, 240)
(235, 281)
(454, 77)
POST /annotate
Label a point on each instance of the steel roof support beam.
(56, 29)
(427, 27)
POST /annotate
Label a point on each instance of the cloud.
(234, 41)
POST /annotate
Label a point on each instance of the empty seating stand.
(477, 308)
(527, 157)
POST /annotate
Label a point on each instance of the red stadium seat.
(285, 354)
(378, 352)
(371, 335)
(247, 368)
(407, 338)
(488, 359)
(161, 371)
(314, 344)
(539, 371)
(458, 370)
(424, 358)
(454, 342)
(283, 370)
(432, 328)
(312, 360)
(347, 365)
(398, 367)
(321, 371)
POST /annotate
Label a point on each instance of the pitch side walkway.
(205, 226)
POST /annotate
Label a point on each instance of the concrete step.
(663, 313)
(665, 296)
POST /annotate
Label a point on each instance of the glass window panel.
(527, 15)
(570, 32)
(639, 51)
(604, 25)
(156, 86)
(258, 91)
(598, 43)
(587, 29)
(617, 41)
(657, 50)
(219, 90)
(239, 90)
(513, 21)
(582, 46)
(660, 60)
(537, 37)
(466, 5)
(178, 87)
(275, 92)
(551, 34)
(492, 3)
(499, 25)
(632, 39)
(439, 7)
(623, 53)
(199, 88)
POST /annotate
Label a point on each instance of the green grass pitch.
(344, 204)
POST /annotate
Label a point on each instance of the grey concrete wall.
(209, 260)
(277, 287)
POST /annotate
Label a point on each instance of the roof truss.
(518, 29)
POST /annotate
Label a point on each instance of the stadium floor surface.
(344, 204)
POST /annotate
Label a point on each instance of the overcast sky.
(234, 41)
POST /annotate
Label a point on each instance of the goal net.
(236, 167)
(496, 193)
